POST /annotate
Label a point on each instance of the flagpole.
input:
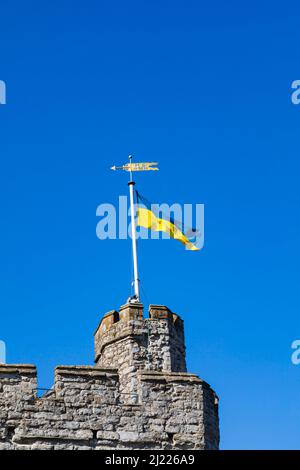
(133, 236)
(131, 167)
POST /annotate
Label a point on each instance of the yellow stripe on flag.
(148, 219)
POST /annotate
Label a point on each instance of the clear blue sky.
(205, 90)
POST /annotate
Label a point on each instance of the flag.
(148, 219)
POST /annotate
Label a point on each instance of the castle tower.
(149, 354)
(128, 342)
(138, 394)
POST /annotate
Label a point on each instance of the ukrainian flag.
(146, 218)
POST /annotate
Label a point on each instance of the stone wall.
(137, 396)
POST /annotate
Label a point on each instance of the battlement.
(134, 311)
(157, 341)
(18, 382)
(137, 396)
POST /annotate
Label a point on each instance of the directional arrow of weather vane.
(145, 166)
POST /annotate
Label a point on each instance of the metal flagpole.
(136, 281)
(131, 167)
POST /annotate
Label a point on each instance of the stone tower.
(137, 396)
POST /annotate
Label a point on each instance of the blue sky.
(205, 90)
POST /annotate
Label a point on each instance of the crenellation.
(131, 311)
(17, 382)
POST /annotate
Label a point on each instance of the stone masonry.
(137, 396)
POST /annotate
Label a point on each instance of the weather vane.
(131, 167)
